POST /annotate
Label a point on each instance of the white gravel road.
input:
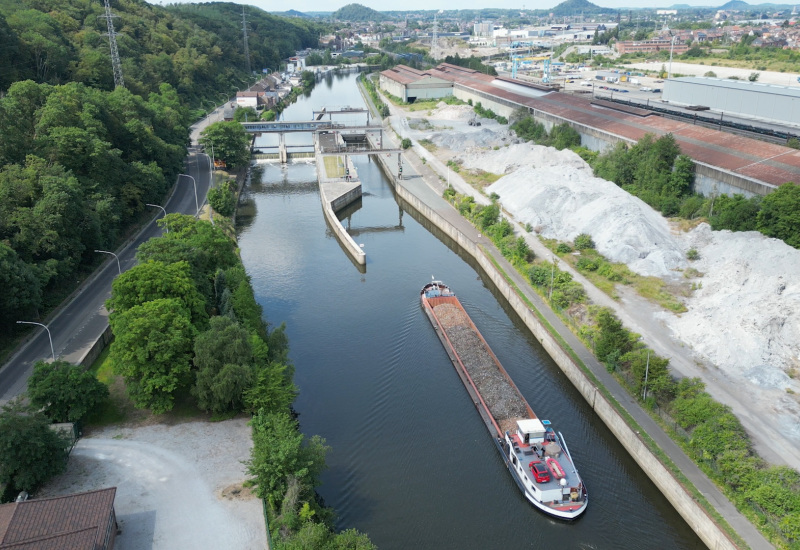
(177, 486)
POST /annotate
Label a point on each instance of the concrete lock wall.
(329, 209)
(684, 503)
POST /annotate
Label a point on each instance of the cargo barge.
(536, 456)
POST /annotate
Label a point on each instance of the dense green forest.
(79, 159)
(196, 48)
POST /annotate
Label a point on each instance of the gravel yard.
(178, 486)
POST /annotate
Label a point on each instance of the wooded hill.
(196, 48)
(357, 12)
(78, 158)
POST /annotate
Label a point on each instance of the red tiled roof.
(63, 522)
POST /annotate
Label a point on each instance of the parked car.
(539, 471)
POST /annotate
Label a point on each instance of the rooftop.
(71, 522)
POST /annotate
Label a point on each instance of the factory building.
(410, 84)
(750, 99)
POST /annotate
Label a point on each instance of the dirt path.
(177, 486)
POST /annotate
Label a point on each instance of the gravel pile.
(443, 111)
(500, 396)
(474, 140)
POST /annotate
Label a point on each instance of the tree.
(231, 142)
(222, 199)
(280, 453)
(206, 247)
(21, 287)
(30, 451)
(63, 391)
(245, 114)
(224, 359)
(272, 390)
(152, 350)
(780, 214)
(154, 280)
(736, 213)
(613, 339)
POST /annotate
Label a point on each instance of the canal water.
(411, 463)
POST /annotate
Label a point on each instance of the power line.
(246, 48)
(119, 82)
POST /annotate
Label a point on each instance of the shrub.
(406, 143)
(583, 241)
(692, 254)
(586, 263)
(563, 248)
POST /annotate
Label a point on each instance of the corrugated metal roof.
(772, 89)
(769, 163)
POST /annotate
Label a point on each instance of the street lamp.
(162, 209)
(196, 204)
(119, 268)
(52, 349)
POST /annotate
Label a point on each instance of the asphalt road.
(80, 321)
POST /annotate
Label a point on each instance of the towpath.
(421, 179)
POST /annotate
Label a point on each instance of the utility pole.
(435, 38)
(112, 40)
(246, 47)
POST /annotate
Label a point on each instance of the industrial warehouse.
(725, 163)
(753, 99)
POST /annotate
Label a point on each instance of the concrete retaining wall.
(710, 180)
(499, 106)
(692, 513)
(97, 348)
(329, 211)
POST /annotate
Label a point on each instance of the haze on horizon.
(380, 5)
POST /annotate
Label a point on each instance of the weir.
(333, 145)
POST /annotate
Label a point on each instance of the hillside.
(79, 157)
(196, 48)
(572, 7)
(357, 12)
(736, 5)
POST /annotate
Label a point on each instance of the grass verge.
(334, 167)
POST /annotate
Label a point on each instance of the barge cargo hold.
(536, 456)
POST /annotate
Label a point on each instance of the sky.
(383, 5)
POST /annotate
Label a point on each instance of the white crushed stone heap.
(746, 316)
(556, 192)
(444, 111)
